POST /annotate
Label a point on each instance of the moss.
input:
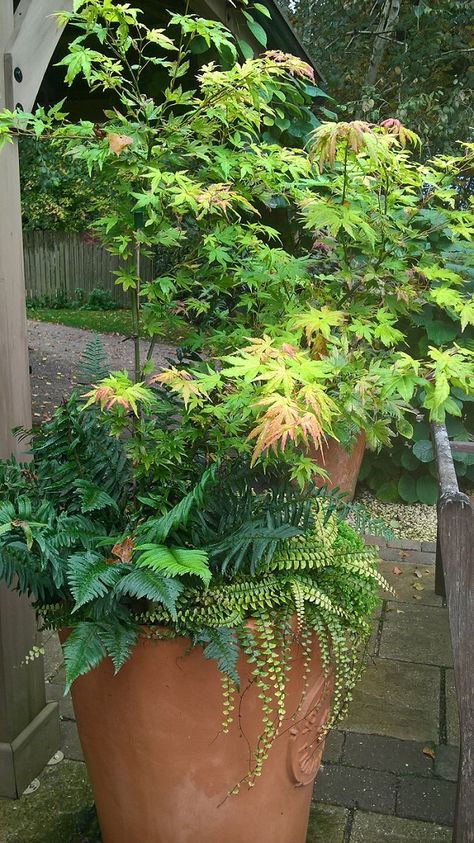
(52, 813)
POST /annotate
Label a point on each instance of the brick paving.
(389, 770)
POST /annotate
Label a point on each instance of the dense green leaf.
(423, 450)
(407, 488)
(427, 489)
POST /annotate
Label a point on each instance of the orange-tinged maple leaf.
(283, 420)
(294, 65)
(118, 143)
(180, 381)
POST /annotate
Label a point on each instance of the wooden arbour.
(29, 726)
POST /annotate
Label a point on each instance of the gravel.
(407, 521)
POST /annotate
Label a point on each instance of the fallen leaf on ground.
(429, 751)
(418, 586)
(397, 571)
(417, 573)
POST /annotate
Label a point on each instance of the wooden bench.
(455, 582)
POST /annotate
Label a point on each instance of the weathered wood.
(30, 48)
(462, 447)
(29, 728)
(456, 543)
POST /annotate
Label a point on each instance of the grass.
(103, 321)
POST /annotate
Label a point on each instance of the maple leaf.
(284, 420)
(180, 381)
(118, 143)
(294, 65)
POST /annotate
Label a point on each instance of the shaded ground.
(55, 351)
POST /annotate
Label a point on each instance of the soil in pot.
(161, 767)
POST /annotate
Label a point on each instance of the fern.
(93, 366)
(92, 497)
(221, 644)
(119, 640)
(174, 561)
(83, 650)
(159, 529)
(143, 583)
(90, 577)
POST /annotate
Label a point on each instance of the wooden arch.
(29, 726)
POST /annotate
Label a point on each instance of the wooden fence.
(455, 581)
(59, 263)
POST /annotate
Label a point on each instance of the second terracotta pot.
(160, 766)
(342, 466)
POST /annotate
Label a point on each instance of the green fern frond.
(174, 561)
(143, 583)
(221, 644)
(89, 577)
(83, 651)
(119, 640)
(93, 366)
(92, 497)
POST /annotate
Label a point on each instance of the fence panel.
(63, 262)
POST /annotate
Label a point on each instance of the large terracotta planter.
(342, 466)
(161, 768)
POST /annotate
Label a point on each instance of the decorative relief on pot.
(305, 746)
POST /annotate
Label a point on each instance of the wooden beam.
(29, 727)
(456, 545)
(30, 48)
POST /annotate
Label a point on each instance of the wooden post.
(29, 727)
(456, 544)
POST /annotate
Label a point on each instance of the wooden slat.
(462, 447)
(56, 260)
(456, 545)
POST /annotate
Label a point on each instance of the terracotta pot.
(160, 766)
(342, 466)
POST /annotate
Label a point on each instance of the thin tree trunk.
(390, 13)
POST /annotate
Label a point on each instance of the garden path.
(389, 771)
(55, 351)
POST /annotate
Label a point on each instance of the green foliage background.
(426, 77)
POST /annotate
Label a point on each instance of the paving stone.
(413, 557)
(333, 747)
(427, 799)
(404, 544)
(49, 815)
(326, 824)
(55, 692)
(430, 547)
(377, 828)
(403, 584)
(369, 790)
(375, 540)
(452, 717)
(396, 699)
(70, 743)
(416, 633)
(447, 763)
(377, 752)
